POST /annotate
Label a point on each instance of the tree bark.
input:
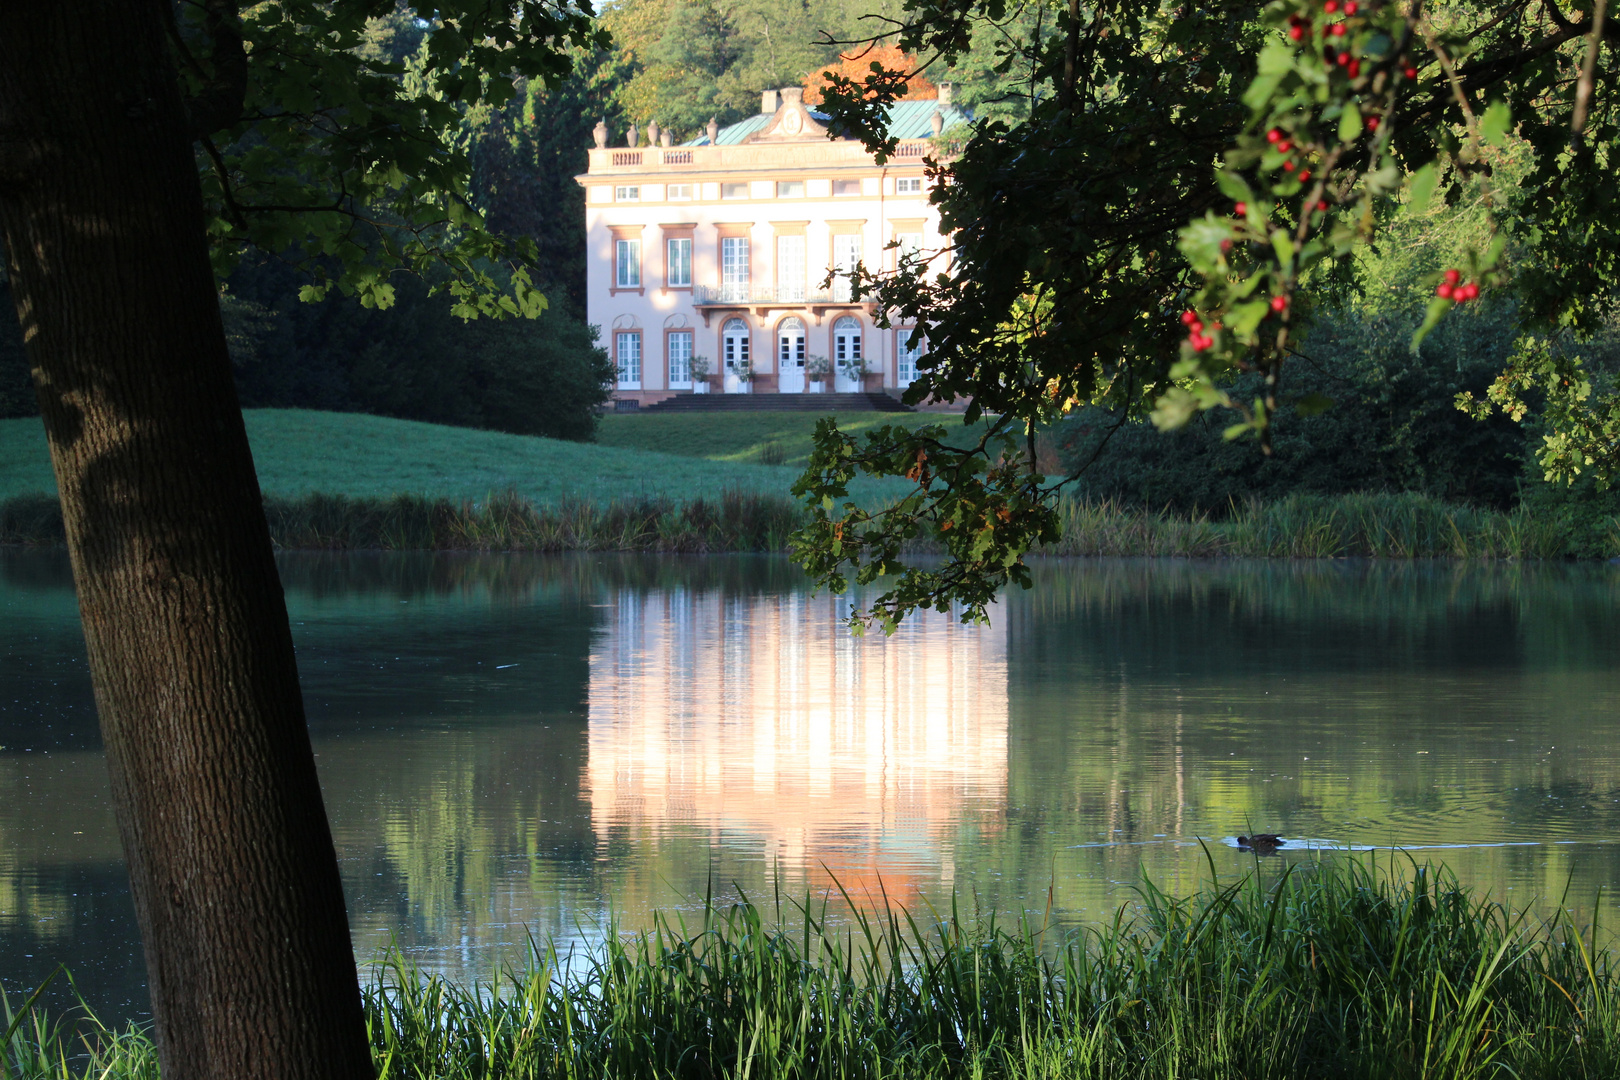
(231, 862)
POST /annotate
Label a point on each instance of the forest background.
(1391, 424)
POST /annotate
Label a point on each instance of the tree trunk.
(231, 863)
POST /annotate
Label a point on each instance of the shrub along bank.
(1328, 969)
(1308, 527)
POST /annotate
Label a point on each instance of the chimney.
(944, 94)
(768, 102)
(714, 130)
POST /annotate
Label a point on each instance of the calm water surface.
(517, 745)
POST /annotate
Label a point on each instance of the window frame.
(627, 234)
(684, 232)
(670, 334)
(620, 337)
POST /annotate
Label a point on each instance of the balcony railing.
(624, 158)
(743, 295)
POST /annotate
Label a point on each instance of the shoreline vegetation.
(1343, 968)
(1384, 526)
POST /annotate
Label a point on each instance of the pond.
(516, 745)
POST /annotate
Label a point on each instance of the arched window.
(847, 341)
(734, 343)
(790, 342)
(848, 362)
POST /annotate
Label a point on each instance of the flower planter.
(817, 386)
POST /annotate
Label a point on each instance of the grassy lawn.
(301, 452)
(744, 437)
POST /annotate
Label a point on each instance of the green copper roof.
(907, 120)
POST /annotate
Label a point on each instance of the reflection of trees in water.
(1367, 703)
(1141, 698)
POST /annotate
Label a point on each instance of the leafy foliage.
(416, 360)
(1100, 262)
(315, 138)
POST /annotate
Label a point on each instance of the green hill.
(301, 452)
(748, 436)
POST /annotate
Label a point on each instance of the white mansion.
(713, 253)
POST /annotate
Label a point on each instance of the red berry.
(1337, 29)
(1453, 276)
(1240, 209)
(1351, 7)
(1372, 123)
(1296, 32)
(1196, 326)
(1226, 245)
(1331, 6)
(1305, 175)
(1321, 205)
(1472, 289)
(1215, 326)
(1279, 304)
(1443, 290)
(1284, 146)
(1288, 166)
(1274, 136)
(1354, 68)
(1410, 72)
(1188, 318)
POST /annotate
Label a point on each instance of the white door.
(790, 356)
(847, 356)
(734, 357)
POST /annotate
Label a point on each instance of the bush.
(415, 360)
(1392, 425)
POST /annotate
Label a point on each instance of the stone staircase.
(819, 403)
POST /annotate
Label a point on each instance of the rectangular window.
(846, 254)
(790, 189)
(680, 192)
(734, 191)
(846, 187)
(908, 355)
(680, 262)
(790, 268)
(734, 268)
(628, 264)
(908, 185)
(910, 246)
(680, 359)
(628, 348)
(627, 193)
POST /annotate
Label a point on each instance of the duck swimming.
(1264, 843)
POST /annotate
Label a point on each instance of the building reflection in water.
(760, 725)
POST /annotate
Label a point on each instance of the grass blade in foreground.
(1339, 969)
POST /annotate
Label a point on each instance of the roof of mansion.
(907, 120)
(785, 133)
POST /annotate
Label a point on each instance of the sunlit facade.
(715, 254)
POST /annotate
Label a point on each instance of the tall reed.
(1396, 526)
(1341, 969)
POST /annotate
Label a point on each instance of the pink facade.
(719, 252)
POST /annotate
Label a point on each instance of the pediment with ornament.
(793, 121)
